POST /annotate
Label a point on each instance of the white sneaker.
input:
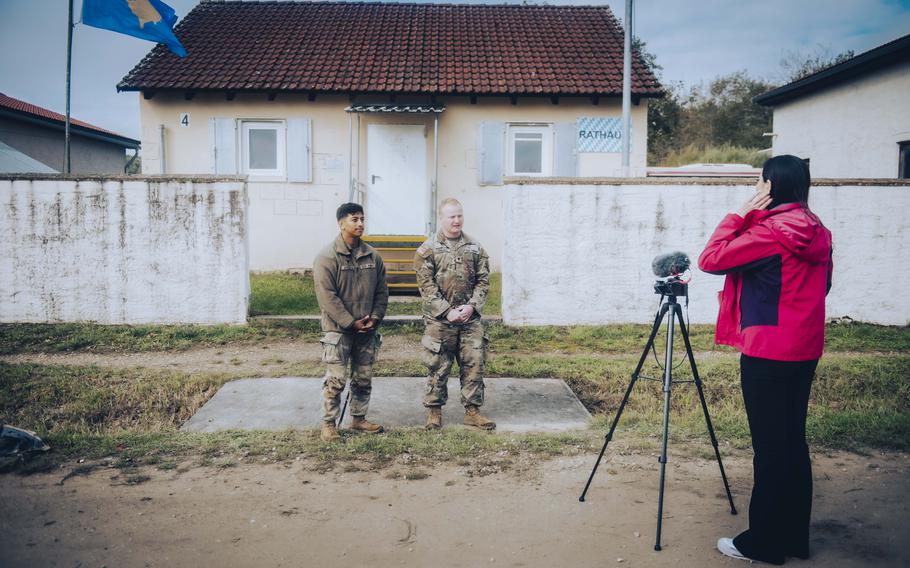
(726, 547)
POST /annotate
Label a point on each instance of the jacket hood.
(799, 230)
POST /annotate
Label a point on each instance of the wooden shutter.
(490, 152)
(223, 142)
(565, 150)
(299, 158)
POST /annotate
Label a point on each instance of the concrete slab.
(517, 405)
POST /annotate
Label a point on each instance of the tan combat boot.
(329, 433)
(473, 417)
(361, 424)
(434, 418)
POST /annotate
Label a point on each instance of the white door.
(397, 196)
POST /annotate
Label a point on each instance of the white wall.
(291, 222)
(123, 250)
(581, 254)
(849, 130)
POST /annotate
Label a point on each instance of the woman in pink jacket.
(776, 254)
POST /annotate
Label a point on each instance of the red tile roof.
(22, 107)
(395, 48)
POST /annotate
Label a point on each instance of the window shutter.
(565, 150)
(489, 153)
(299, 155)
(223, 141)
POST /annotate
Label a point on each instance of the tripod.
(669, 306)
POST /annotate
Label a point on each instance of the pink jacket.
(778, 266)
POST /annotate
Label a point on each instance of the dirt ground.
(291, 514)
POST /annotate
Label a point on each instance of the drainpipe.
(434, 188)
(350, 157)
(161, 148)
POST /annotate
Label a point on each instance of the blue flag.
(147, 19)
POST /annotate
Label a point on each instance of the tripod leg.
(704, 407)
(644, 355)
(668, 384)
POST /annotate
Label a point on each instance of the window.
(904, 161)
(263, 148)
(530, 150)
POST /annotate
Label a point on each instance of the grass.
(858, 401)
(283, 293)
(723, 154)
(611, 339)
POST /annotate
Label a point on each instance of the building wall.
(123, 251)
(581, 254)
(849, 130)
(46, 144)
(290, 222)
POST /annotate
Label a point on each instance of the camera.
(672, 286)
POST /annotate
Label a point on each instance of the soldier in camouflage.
(352, 294)
(453, 274)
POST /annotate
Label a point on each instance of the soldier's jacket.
(350, 284)
(449, 277)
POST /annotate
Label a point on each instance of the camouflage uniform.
(350, 284)
(450, 276)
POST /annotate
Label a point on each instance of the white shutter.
(299, 155)
(490, 152)
(565, 154)
(223, 142)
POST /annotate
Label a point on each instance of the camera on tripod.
(669, 269)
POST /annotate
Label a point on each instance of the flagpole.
(69, 66)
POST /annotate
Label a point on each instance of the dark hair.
(789, 177)
(346, 209)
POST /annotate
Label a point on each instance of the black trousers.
(776, 395)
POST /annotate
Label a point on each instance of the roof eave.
(894, 52)
(74, 128)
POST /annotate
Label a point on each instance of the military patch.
(424, 251)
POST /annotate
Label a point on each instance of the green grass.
(609, 339)
(282, 293)
(723, 154)
(858, 401)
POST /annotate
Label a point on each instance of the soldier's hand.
(454, 315)
(361, 324)
(369, 324)
(467, 311)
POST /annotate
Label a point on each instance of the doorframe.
(356, 141)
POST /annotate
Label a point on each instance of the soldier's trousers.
(340, 350)
(444, 343)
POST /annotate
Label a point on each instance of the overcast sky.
(694, 40)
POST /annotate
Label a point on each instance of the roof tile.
(395, 47)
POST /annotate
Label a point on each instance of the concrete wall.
(123, 250)
(849, 130)
(45, 144)
(290, 222)
(581, 254)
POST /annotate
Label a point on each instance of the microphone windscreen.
(670, 264)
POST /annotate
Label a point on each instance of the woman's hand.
(760, 200)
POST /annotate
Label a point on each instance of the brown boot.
(434, 418)
(329, 433)
(361, 424)
(473, 417)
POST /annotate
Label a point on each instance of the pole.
(627, 91)
(69, 66)
(434, 194)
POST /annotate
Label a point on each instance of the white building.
(851, 120)
(396, 106)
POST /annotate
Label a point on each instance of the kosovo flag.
(147, 19)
